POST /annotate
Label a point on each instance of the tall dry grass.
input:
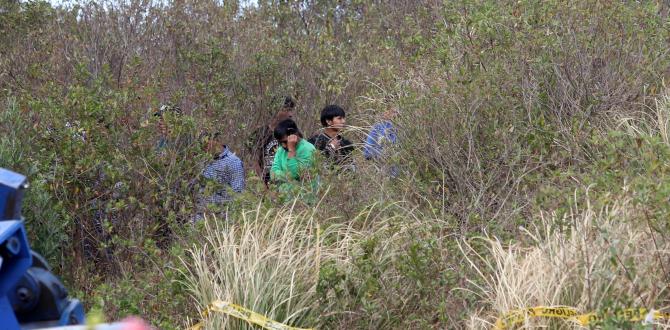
(655, 121)
(607, 257)
(266, 261)
(280, 263)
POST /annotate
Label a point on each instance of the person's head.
(333, 117)
(279, 117)
(284, 129)
(390, 113)
(289, 104)
(285, 112)
(213, 143)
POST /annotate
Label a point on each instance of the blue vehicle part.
(12, 186)
(15, 261)
(31, 296)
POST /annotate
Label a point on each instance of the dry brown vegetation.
(509, 110)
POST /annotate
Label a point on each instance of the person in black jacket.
(329, 141)
(263, 144)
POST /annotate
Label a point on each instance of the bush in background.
(505, 109)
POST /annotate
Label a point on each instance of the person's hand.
(334, 143)
(291, 142)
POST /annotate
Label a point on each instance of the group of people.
(284, 159)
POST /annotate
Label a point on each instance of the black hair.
(285, 128)
(289, 103)
(330, 112)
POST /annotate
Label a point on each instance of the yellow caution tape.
(572, 314)
(243, 314)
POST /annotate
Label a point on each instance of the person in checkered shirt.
(225, 173)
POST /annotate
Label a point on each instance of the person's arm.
(346, 147)
(321, 143)
(371, 149)
(299, 163)
(292, 161)
(293, 167)
(304, 160)
(332, 149)
(237, 176)
(276, 173)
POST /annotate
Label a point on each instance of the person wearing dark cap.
(264, 145)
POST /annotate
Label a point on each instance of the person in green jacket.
(295, 158)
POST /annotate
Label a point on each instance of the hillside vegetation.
(534, 157)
